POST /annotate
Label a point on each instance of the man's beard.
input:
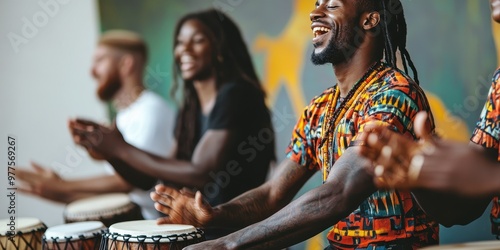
(337, 51)
(109, 87)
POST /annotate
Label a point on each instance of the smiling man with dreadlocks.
(360, 38)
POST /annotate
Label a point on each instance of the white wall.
(44, 80)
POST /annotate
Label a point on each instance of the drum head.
(99, 206)
(23, 224)
(481, 245)
(73, 231)
(150, 230)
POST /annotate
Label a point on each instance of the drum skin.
(107, 208)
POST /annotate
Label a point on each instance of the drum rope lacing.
(95, 235)
(28, 244)
(156, 239)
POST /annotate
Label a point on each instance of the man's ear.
(127, 63)
(370, 20)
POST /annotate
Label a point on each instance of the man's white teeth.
(320, 30)
(186, 59)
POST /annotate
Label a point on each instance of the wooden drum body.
(23, 233)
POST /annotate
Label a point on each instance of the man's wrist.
(121, 152)
(228, 244)
(214, 221)
(67, 188)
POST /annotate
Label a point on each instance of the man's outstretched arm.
(184, 207)
(346, 187)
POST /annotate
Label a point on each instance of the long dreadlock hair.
(232, 63)
(394, 31)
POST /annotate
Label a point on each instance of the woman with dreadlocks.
(360, 39)
(224, 136)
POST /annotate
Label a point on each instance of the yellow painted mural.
(448, 126)
(285, 56)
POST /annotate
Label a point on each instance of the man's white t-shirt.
(147, 124)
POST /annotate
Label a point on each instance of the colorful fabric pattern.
(487, 134)
(386, 218)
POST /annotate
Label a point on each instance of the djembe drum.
(79, 235)
(107, 208)
(23, 233)
(147, 235)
